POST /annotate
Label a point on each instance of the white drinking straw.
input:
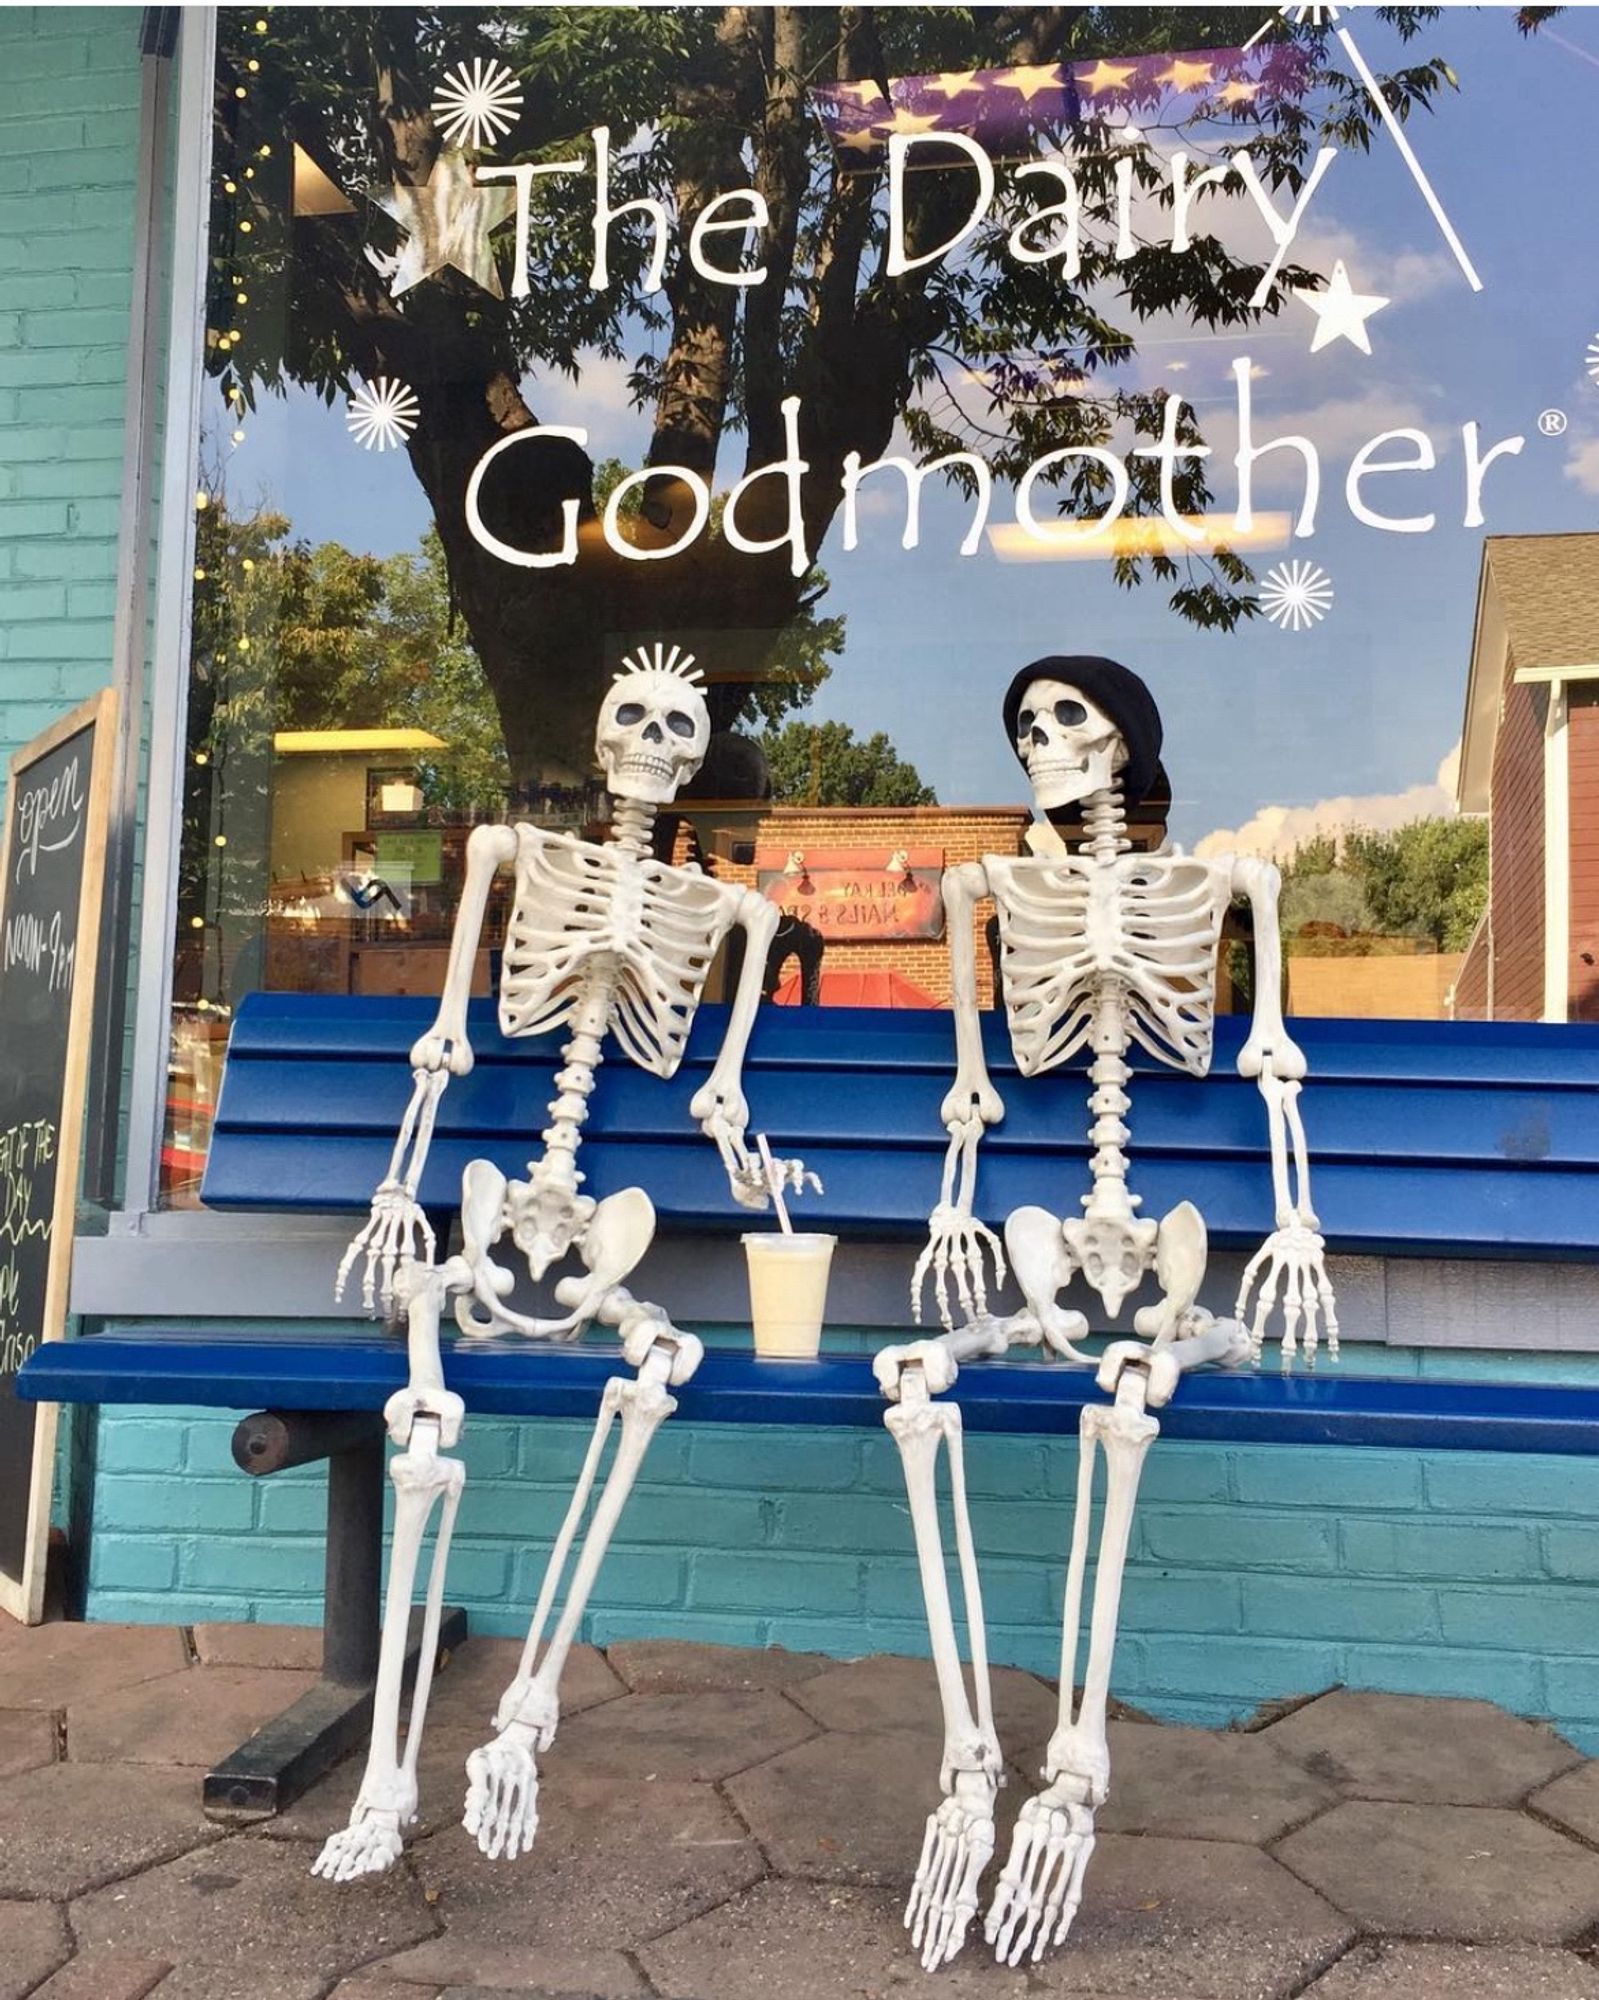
(774, 1182)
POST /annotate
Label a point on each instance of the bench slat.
(505, 1378)
(1444, 1211)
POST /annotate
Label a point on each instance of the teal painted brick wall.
(1256, 1572)
(69, 115)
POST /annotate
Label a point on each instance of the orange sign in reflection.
(857, 894)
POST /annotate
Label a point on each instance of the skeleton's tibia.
(1038, 1893)
(960, 1831)
(503, 1779)
(386, 1802)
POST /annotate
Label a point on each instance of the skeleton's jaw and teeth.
(1069, 748)
(654, 727)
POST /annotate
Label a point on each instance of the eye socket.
(1024, 722)
(679, 723)
(1070, 712)
(629, 713)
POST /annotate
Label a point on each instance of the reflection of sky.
(1368, 702)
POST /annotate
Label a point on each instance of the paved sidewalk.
(728, 1825)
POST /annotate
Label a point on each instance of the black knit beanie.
(1119, 692)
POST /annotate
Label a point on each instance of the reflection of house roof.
(1538, 603)
(858, 989)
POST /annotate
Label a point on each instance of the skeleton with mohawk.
(604, 940)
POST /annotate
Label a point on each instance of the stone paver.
(677, 1666)
(196, 1720)
(68, 1827)
(296, 1646)
(217, 1982)
(27, 1739)
(844, 1808)
(1181, 1919)
(376, 1986)
(614, 1864)
(813, 1941)
(1403, 1971)
(886, 1692)
(248, 1907)
(689, 1736)
(33, 1942)
(467, 1690)
(1202, 1784)
(731, 1824)
(1573, 1800)
(105, 1975)
(40, 1666)
(1401, 1746)
(1465, 1872)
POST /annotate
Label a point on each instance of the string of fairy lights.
(234, 228)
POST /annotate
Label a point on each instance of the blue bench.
(1428, 1139)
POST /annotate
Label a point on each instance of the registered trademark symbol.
(1552, 423)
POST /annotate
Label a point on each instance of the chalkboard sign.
(52, 860)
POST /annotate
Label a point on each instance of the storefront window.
(868, 355)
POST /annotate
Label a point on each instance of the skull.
(654, 728)
(1071, 748)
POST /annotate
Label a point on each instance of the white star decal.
(1341, 312)
(448, 221)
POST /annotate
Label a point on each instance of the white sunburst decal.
(477, 103)
(1296, 595)
(382, 415)
(1593, 359)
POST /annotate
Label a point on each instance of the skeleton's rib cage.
(649, 931)
(1074, 932)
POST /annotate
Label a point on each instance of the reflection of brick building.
(957, 833)
(1530, 761)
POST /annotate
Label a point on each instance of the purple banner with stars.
(1005, 109)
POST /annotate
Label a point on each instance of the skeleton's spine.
(1105, 824)
(632, 831)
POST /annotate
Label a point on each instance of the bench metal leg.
(278, 1763)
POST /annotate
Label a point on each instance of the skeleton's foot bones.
(1039, 1891)
(955, 1851)
(502, 1794)
(372, 1842)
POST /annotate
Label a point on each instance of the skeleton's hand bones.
(1292, 1259)
(956, 1242)
(724, 1116)
(387, 1240)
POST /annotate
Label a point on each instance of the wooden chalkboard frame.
(23, 1596)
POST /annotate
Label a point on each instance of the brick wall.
(1582, 724)
(965, 833)
(1516, 854)
(1256, 1571)
(68, 136)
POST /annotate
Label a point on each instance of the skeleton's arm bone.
(1269, 1055)
(444, 1046)
(719, 1104)
(972, 1095)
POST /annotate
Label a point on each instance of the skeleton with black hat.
(1101, 949)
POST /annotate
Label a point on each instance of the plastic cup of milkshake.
(788, 1292)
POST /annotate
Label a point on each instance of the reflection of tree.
(826, 764)
(287, 636)
(1426, 880)
(716, 97)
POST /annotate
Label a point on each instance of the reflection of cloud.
(597, 401)
(1582, 464)
(1275, 831)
